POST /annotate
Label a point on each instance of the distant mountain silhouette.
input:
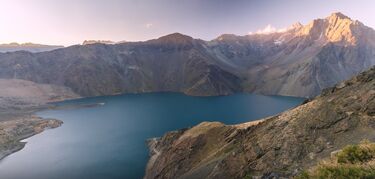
(12, 47)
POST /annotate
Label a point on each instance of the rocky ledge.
(13, 131)
(280, 146)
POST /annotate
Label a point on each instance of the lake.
(109, 140)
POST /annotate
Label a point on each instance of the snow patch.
(278, 42)
(133, 67)
(269, 29)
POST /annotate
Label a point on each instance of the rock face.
(281, 145)
(300, 61)
(13, 131)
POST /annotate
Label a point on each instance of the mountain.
(279, 146)
(300, 61)
(12, 47)
(171, 63)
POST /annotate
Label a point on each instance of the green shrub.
(357, 153)
(343, 171)
(339, 172)
(353, 162)
(303, 175)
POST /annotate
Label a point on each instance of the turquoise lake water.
(109, 141)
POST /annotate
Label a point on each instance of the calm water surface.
(108, 141)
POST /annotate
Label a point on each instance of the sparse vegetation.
(357, 153)
(354, 161)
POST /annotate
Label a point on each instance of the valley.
(233, 79)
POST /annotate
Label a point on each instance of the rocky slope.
(300, 61)
(282, 145)
(20, 94)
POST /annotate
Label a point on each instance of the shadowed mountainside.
(171, 63)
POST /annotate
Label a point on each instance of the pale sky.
(67, 22)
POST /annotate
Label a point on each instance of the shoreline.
(15, 130)
(28, 119)
(19, 121)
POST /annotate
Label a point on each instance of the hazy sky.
(69, 22)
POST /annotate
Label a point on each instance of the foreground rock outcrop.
(18, 128)
(282, 145)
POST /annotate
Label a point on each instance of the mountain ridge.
(300, 61)
(31, 47)
(292, 60)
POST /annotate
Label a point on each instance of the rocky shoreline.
(16, 125)
(13, 131)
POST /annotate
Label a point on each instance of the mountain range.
(31, 47)
(300, 61)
